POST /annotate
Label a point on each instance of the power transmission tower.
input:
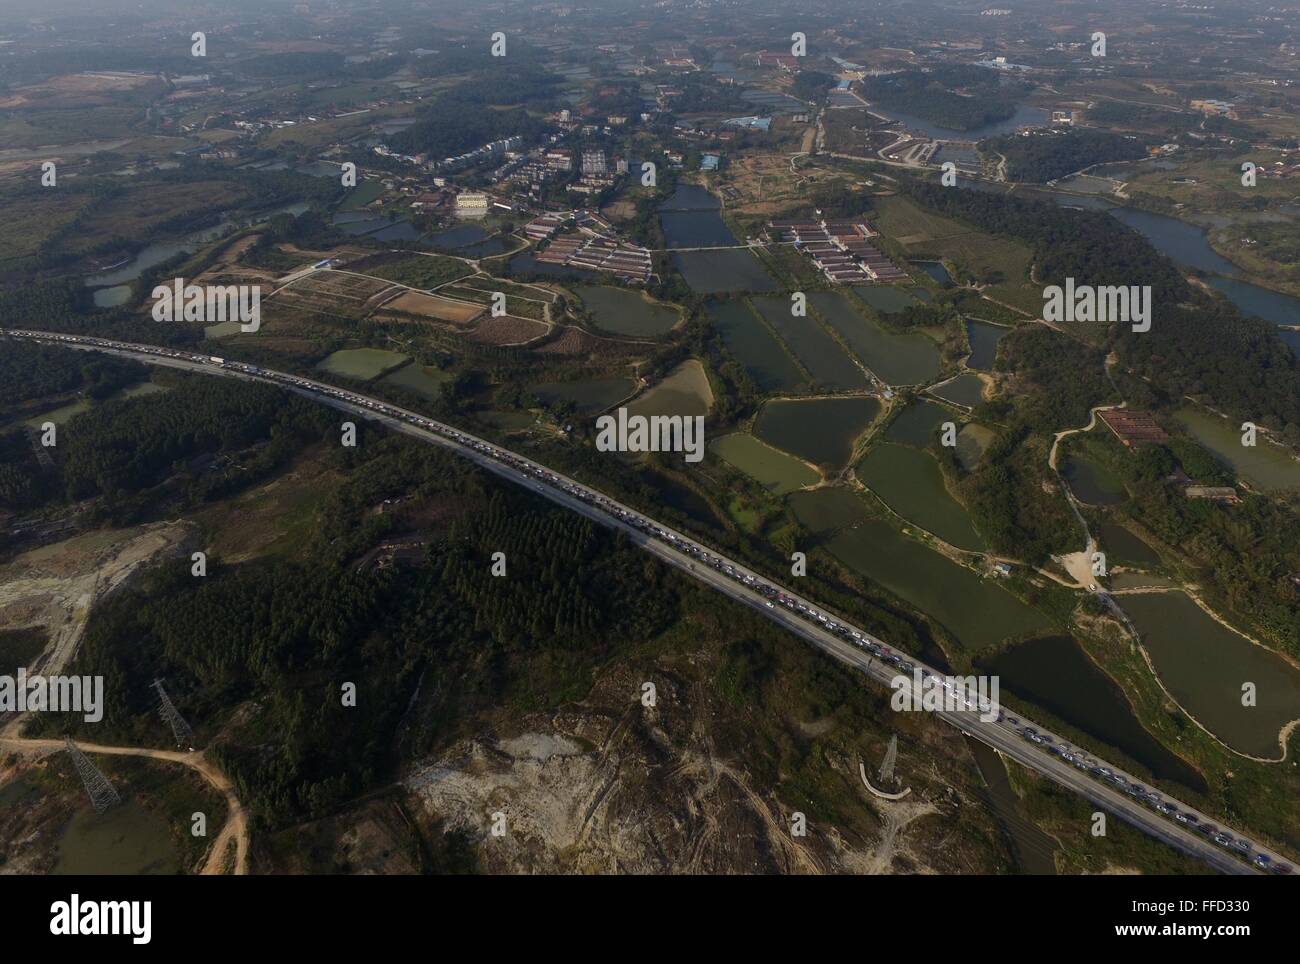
(102, 794)
(886, 773)
(180, 729)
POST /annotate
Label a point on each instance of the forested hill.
(1238, 365)
(287, 634)
(1089, 246)
(929, 96)
(126, 448)
(1196, 346)
(1046, 156)
(472, 115)
(31, 371)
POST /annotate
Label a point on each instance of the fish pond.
(910, 482)
(776, 471)
(819, 430)
(898, 358)
(1204, 665)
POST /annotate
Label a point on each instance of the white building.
(472, 205)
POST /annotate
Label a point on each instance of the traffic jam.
(773, 596)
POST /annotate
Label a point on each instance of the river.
(1187, 245)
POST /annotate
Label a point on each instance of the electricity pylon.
(102, 794)
(180, 729)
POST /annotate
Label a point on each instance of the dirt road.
(236, 827)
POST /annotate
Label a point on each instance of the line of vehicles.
(773, 595)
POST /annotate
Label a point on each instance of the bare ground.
(644, 790)
(55, 586)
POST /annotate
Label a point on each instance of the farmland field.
(906, 223)
(433, 306)
(887, 299)
(506, 330)
(332, 293)
(417, 271)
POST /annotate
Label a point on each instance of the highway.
(1108, 787)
